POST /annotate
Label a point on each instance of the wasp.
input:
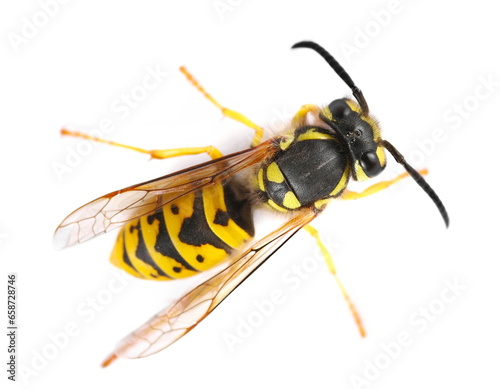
(192, 220)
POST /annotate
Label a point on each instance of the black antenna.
(339, 70)
(418, 179)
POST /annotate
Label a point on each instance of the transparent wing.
(177, 320)
(118, 208)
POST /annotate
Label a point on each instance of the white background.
(420, 63)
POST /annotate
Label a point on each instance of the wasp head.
(360, 134)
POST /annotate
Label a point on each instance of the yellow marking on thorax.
(274, 173)
(320, 204)
(342, 183)
(260, 180)
(290, 200)
(284, 144)
(276, 206)
(312, 134)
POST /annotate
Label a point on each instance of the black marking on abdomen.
(238, 206)
(126, 258)
(164, 244)
(195, 230)
(221, 218)
(143, 254)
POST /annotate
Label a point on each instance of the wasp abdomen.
(191, 234)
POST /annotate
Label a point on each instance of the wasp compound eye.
(371, 164)
(339, 109)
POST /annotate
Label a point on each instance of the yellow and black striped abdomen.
(191, 234)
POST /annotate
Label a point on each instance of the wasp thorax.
(310, 167)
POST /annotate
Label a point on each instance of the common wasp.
(189, 221)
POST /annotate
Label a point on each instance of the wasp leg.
(329, 262)
(259, 131)
(213, 152)
(299, 118)
(349, 195)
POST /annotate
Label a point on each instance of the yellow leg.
(349, 195)
(329, 261)
(213, 152)
(259, 131)
(298, 119)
